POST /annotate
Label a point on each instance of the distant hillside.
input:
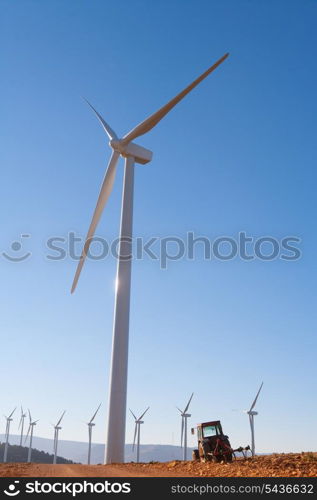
(77, 451)
(19, 454)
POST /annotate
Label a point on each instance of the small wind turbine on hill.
(185, 416)
(7, 434)
(252, 414)
(90, 426)
(132, 153)
(30, 431)
(57, 428)
(21, 424)
(138, 422)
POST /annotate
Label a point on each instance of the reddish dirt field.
(277, 465)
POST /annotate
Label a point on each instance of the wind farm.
(157, 240)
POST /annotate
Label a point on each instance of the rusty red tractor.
(214, 445)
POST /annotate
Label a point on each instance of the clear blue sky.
(236, 155)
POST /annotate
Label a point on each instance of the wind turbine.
(90, 426)
(252, 414)
(132, 153)
(185, 416)
(138, 422)
(30, 431)
(9, 420)
(21, 424)
(57, 428)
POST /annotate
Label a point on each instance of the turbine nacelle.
(187, 415)
(140, 154)
(252, 412)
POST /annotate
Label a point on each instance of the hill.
(77, 451)
(18, 453)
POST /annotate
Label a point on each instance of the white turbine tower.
(57, 428)
(138, 422)
(7, 434)
(90, 426)
(252, 414)
(132, 153)
(21, 424)
(185, 416)
(30, 431)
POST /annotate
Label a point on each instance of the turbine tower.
(30, 431)
(252, 414)
(185, 416)
(132, 153)
(138, 422)
(90, 426)
(57, 428)
(7, 433)
(21, 424)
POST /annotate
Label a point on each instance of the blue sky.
(236, 155)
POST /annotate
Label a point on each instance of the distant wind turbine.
(7, 434)
(30, 431)
(185, 416)
(138, 422)
(252, 414)
(90, 426)
(57, 428)
(132, 153)
(21, 424)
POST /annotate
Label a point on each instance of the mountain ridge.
(77, 450)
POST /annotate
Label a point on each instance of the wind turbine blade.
(30, 416)
(12, 413)
(152, 120)
(135, 432)
(256, 397)
(182, 432)
(111, 134)
(20, 422)
(104, 194)
(27, 433)
(188, 403)
(144, 413)
(180, 411)
(133, 414)
(95, 414)
(60, 418)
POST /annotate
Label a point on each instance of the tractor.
(213, 444)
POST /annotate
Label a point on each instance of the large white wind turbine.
(132, 153)
(57, 428)
(252, 414)
(185, 416)
(138, 422)
(32, 424)
(9, 420)
(21, 424)
(90, 426)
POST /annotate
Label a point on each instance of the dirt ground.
(277, 465)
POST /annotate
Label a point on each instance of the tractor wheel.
(195, 455)
(201, 453)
